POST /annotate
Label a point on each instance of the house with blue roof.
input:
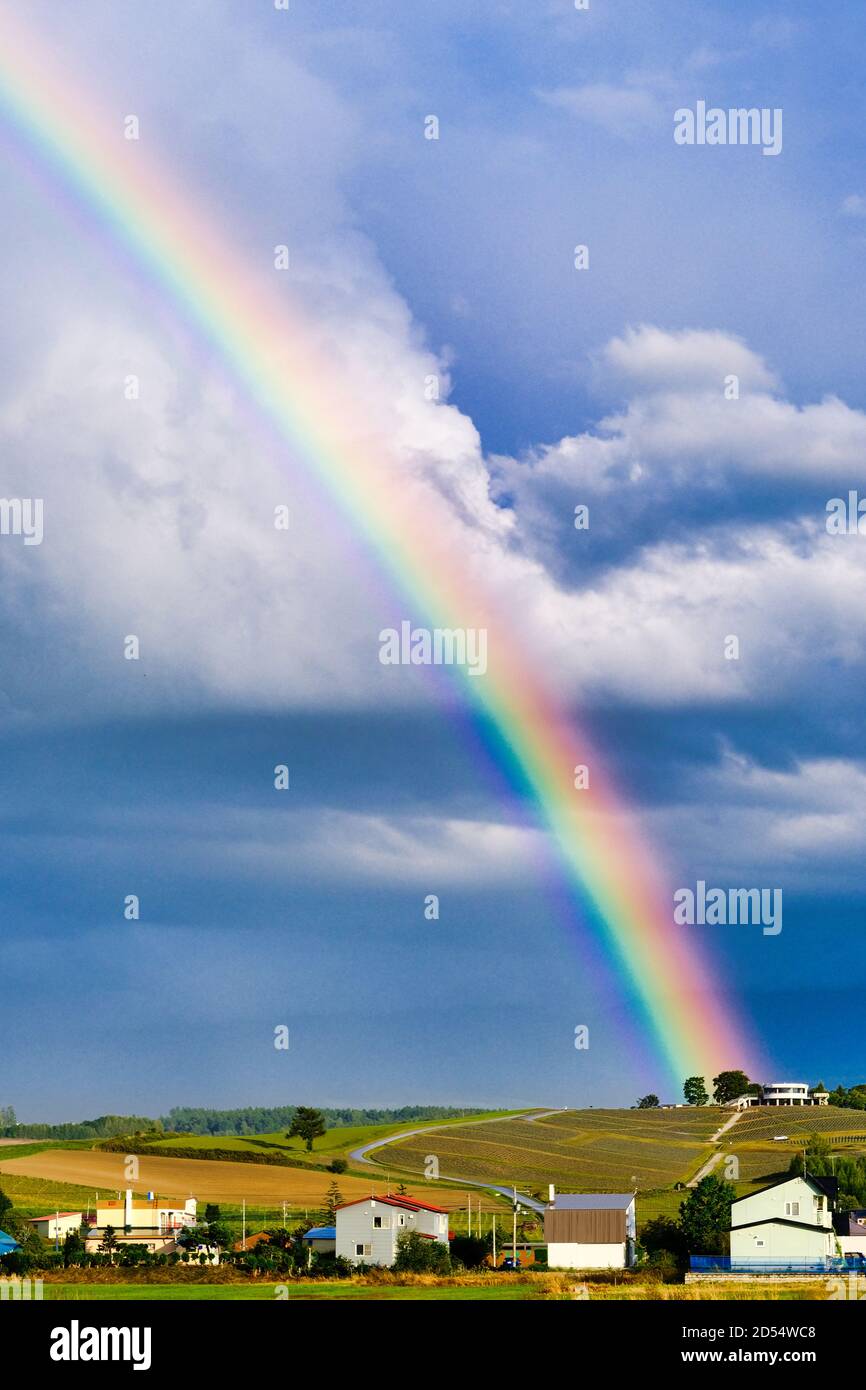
(322, 1239)
(8, 1244)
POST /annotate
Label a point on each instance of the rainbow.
(274, 355)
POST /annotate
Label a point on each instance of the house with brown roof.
(590, 1230)
(368, 1229)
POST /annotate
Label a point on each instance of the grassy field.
(481, 1287)
(578, 1150)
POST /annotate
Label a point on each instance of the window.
(792, 1208)
(377, 1222)
(401, 1220)
(363, 1250)
(359, 1249)
(758, 1242)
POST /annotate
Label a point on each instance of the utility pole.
(514, 1229)
(244, 1224)
(494, 1240)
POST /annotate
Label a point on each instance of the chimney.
(551, 1194)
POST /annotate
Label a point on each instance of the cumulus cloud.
(803, 826)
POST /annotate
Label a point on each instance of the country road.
(360, 1156)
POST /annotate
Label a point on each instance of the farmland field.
(833, 1123)
(581, 1150)
(209, 1181)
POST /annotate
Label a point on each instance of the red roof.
(54, 1215)
(402, 1203)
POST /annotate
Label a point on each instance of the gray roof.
(592, 1201)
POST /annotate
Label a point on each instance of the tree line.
(236, 1123)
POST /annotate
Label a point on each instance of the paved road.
(716, 1157)
(360, 1156)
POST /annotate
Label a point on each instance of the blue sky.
(454, 257)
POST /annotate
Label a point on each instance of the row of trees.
(730, 1084)
(849, 1170)
(258, 1119)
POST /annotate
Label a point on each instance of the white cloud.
(803, 827)
(621, 110)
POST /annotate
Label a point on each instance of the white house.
(851, 1232)
(783, 1093)
(368, 1229)
(790, 1221)
(142, 1222)
(58, 1225)
(587, 1230)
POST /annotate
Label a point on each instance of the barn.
(590, 1230)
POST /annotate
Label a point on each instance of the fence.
(831, 1264)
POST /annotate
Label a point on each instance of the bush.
(337, 1165)
(469, 1250)
(420, 1256)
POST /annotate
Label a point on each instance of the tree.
(109, 1241)
(211, 1213)
(695, 1091)
(333, 1199)
(73, 1248)
(728, 1085)
(307, 1124)
(705, 1216)
(5, 1207)
(662, 1236)
(338, 1165)
(219, 1235)
(421, 1256)
(649, 1102)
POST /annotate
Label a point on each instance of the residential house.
(367, 1230)
(590, 1230)
(8, 1244)
(322, 1239)
(782, 1093)
(788, 1222)
(58, 1225)
(850, 1227)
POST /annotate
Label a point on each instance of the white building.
(586, 1230)
(58, 1225)
(783, 1093)
(142, 1222)
(790, 1221)
(851, 1232)
(368, 1229)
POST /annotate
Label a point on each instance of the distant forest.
(183, 1119)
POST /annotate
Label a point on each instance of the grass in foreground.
(478, 1287)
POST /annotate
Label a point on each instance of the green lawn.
(265, 1293)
